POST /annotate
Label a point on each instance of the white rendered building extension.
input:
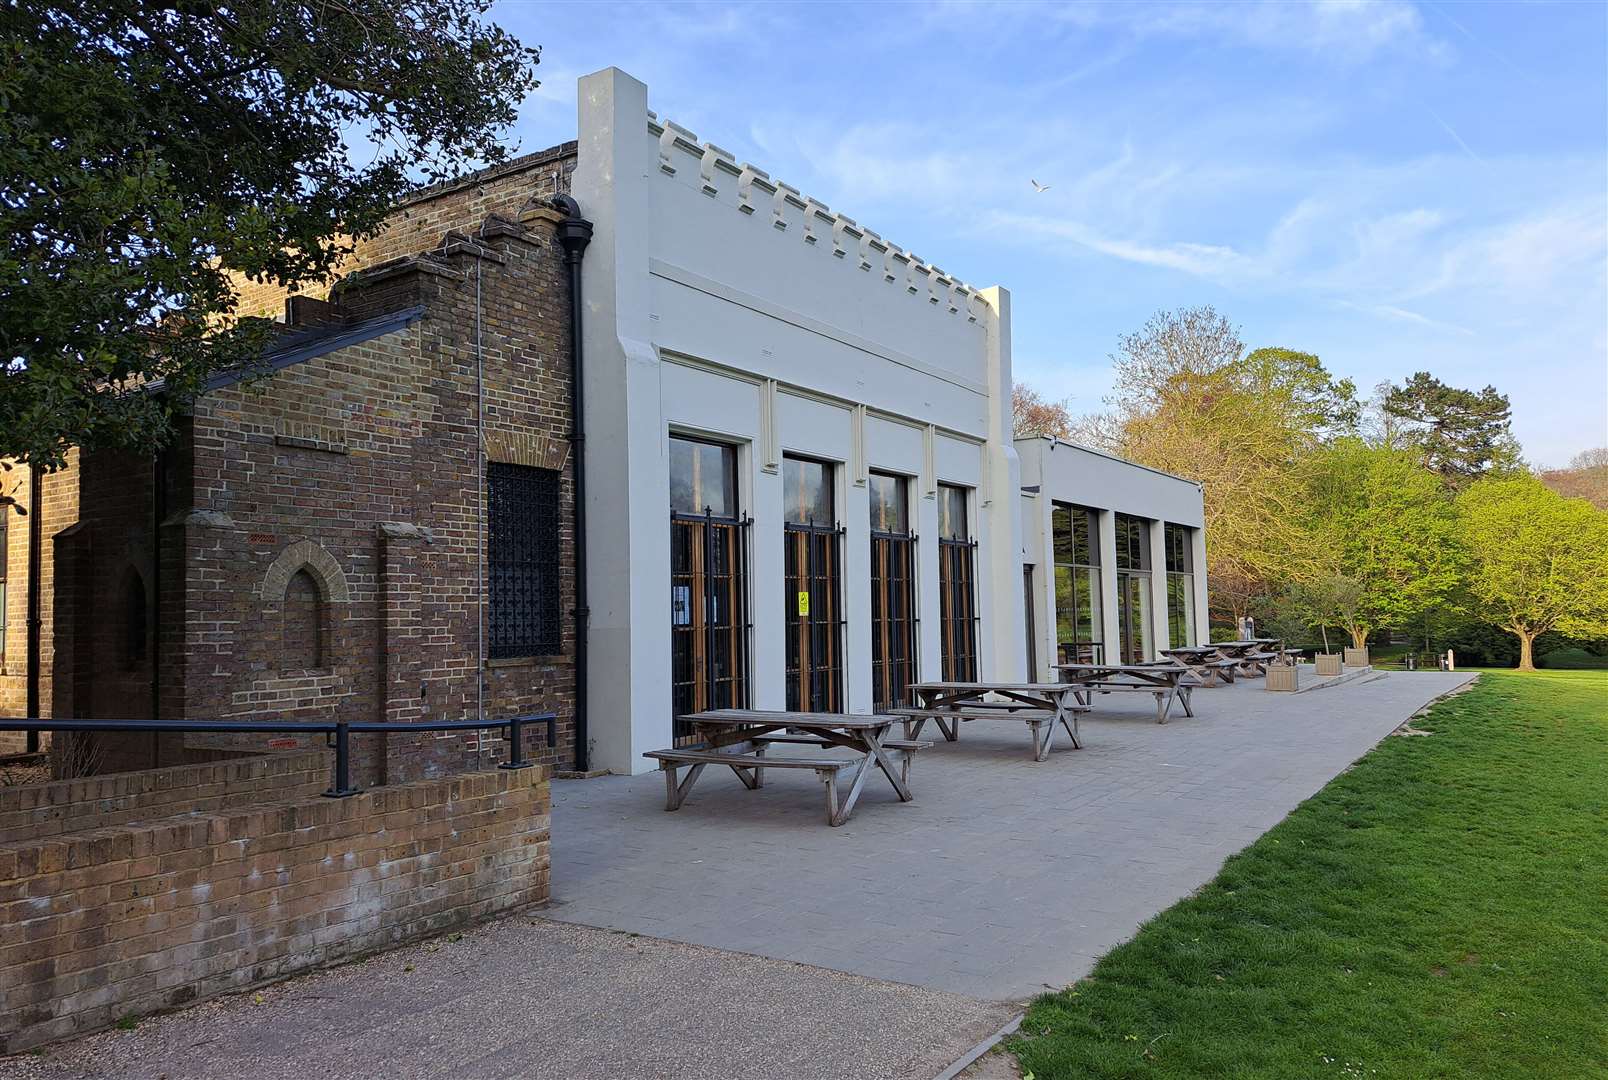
(763, 377)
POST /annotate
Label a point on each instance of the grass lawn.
(1441, 910)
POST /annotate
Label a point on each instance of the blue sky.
(1393, 186)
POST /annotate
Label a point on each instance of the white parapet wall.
(723, 303)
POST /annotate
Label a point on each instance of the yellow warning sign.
(803, 605)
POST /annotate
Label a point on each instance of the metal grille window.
(522, 556)
(957, 594)
(893, 587)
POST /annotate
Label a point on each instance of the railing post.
(516, 746)
(343, 764)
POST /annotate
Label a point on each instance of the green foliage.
(1462, 434)
(1537, 561)
(1379, 523)
(1435, 911)
(149, 151)
(1191, 401)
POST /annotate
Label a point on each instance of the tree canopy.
(151, 151)
(1034, 415)
(1380, 532)
(1190, 400)
(1462, 434)
(1537, 560)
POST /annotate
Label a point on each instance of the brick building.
(804, 489)
(380, 529)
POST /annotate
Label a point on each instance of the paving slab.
(1005, 876)
(538, 1000)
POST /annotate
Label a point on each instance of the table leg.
(841, 814)
(1183, 699)
(879, 754)
(1061, 714)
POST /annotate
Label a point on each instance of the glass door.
(708, 583)
(811, 592)
(893, 588)
(957, 595)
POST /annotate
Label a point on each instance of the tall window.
(522, 556)
(893, 587)
(811, 595)
(1179, 541)
(708, 582)
(1133, 588)
(1078, 624)
(957, 596)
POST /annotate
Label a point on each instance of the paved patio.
(1004, 876)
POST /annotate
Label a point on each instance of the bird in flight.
(1038, 187)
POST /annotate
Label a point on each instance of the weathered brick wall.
(418, 225)
(33, 812)
(139, 917)
(367, 458)
(60, 496)
(363, 465)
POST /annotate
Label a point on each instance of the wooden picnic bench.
(1041, 706)
(741, 739)
(1252, 655)
(1205, 663)
(1165, 681)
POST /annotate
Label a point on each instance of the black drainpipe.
(36, 541)
(154, 645)
(574, 233)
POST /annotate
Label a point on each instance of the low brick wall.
(150, 915)
(37, 811)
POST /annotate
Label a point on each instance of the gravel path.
(526, 997)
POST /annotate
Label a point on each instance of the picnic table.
(1252, 654)
(742, 738)
(1205, 663)
(1041, 706)
(1164, 680)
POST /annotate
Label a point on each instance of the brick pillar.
(400, 642)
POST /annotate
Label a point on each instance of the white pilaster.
(628, 533)
(1111, 649)
(1002, 655)
(1158, 589)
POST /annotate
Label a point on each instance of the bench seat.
(694, 756)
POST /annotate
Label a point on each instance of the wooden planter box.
(1356, 658)
(1328, 663)
(1282, 677)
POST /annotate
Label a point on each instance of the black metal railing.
(338, 733)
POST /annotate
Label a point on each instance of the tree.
(1189, 400)
(1376, 517)
(150, 152)
(1586, 477)
(1460, 434)
(1325, 600)
(1537, 560)
(1033, 415)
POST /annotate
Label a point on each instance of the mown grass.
(1440, 910)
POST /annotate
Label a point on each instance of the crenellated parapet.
(752, 192)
